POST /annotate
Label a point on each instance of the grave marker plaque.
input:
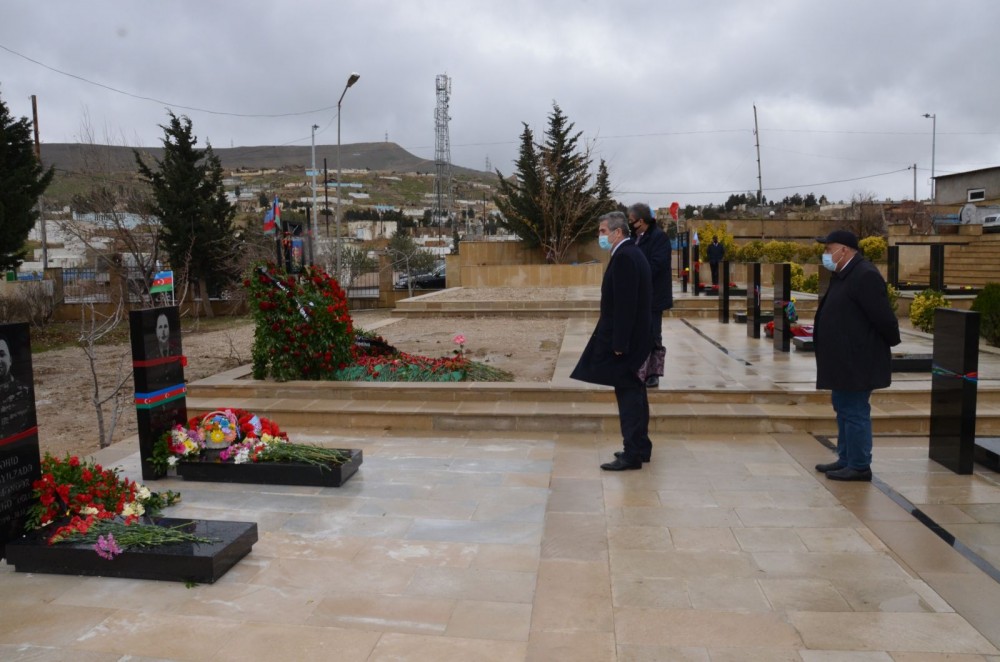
(753, 300)
(953, 389)
(782, 295)
(158, 374)
(19, 456)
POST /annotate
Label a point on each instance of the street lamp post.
(351, 80)
(311, 228)
(933, 118)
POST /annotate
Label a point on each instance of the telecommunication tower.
(442, 151)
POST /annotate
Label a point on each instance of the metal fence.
(364, 286)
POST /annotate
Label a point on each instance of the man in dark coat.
(716, 253)
(621, 342)
(852, 333)
(655, 245)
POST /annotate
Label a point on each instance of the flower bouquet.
(82, 502)
(239, 437)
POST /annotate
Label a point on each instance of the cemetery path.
(64, 383)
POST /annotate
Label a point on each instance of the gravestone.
(724, 292)
(753, 300)
(158, 374)
(782, 296)
(19, 457)
(695, 268)
(685, 261)
(937, 267)
(953, 389)
(892, 270)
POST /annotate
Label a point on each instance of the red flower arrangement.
(87, 499)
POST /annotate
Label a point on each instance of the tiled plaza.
(493, 545)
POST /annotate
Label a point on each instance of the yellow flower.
(217, 436)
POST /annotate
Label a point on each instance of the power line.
(160, 101)
(771, 188)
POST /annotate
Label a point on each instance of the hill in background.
(383, 156)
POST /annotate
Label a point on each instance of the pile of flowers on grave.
(303, 331)
(78, 501)
(237, 436)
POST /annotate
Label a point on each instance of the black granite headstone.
(724, 293)
(782, 296)
(695, 270)
(158, 374)
(937, 267)
(953, 389)
(19, 457)
(685, 261)
(892, 271)
(753, 300)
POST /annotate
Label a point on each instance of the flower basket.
(219, 429)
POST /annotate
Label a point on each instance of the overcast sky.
(663, 90)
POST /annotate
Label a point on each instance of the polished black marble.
(272, 473)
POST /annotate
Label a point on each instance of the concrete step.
(454, 408)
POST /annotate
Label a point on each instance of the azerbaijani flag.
(272, 219)
(163, 281)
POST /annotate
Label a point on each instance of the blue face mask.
(604, 242)
(828, 262)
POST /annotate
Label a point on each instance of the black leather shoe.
(832, 466)
(645, 458)
(850, 474)
(620, 465)
(652, 381)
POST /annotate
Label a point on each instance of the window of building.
(976, 194)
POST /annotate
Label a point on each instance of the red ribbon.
(149, 363)
(19, 436)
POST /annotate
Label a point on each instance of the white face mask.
(829, 262)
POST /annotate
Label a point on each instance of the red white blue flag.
(272, 219)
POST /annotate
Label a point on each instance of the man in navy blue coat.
(655, 245)
(853, 331)
(621, 341)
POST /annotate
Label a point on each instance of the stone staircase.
(972, 265)
(455, 408)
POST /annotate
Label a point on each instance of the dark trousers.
(656, 327)
(715, 272)
(633, 414)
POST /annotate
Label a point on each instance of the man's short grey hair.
(616, 221)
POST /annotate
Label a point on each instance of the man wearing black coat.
(716, 253)
(853, 331)
(655, 245)
(621, 341)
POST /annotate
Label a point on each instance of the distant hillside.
(361, 156)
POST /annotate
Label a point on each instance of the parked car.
(434, 280)
(991, 223)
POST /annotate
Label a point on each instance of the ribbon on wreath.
(944, 372)
(790, 313)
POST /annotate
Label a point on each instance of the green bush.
(809, 253)
(874, 248)
(923, 306)
(810, 284)
(987, 304)
(893, 295)
(798, 277)
(750, 252)
(780, 251)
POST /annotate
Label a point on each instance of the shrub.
(874, 248)
(893, 295)
(987, 304)
(809, 252)
(923, 306)
(750, 252)
(798, 276)
(780, 251)
(810, 284)
(28, 301)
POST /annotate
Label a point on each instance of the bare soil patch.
(64, 384)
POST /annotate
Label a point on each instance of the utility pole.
(326, 199)
(38, 155)
(760, 183)
(311, 223)
(914, 183)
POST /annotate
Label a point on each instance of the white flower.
(89, 510)
(172, 460)
(133, 508)
(242, 457)
(144, 493)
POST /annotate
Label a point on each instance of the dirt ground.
(64, 383)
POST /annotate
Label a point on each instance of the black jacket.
(716, 253)
(655, 245)
(854, 329)
(623, 325)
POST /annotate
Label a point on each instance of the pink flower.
(107, 548)
(459, 339)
